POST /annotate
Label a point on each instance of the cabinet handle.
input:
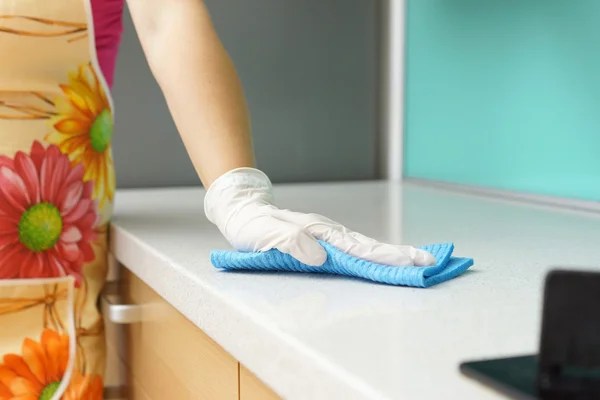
(114, 309)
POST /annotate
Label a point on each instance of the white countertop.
(323, 337)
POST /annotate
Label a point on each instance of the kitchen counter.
(326, 337)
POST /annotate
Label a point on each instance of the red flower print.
(47, 216)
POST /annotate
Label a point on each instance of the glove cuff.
(228, 185)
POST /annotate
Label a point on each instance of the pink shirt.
(108, 27)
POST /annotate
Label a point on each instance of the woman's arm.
(206, 101)
(199, 82)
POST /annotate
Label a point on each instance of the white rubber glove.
(240, 203)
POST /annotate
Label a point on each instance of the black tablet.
(567, 366)
(514, 377)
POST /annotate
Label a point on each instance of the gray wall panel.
(309, 73)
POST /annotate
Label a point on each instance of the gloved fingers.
(371, 250)
(290, 239)
(303, 247)
(361, 238)
(420, 257)
(306, 220)
(364, 247)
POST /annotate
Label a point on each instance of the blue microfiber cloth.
(340, 263)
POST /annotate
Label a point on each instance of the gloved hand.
(240, 203)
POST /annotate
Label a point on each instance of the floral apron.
(56, 192)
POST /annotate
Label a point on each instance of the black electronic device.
(567, 366)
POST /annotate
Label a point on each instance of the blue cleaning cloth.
(340, 263)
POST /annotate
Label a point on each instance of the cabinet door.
(165, 356)
(168, 357)
(251, 388)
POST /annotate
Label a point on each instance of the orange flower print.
(84, 387)
(83, 129)
(38, 372)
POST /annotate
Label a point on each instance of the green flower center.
(40, 227)
(101, 131)
(49, 391)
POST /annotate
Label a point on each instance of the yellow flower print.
(83, 129)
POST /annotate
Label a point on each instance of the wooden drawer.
(168, 357)
(251, 388)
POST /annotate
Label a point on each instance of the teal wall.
(505, 94)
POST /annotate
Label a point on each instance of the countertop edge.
(289, 365)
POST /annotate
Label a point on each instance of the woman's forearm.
(199, 82)
(206, 100)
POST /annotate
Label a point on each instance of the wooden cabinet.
(251, 388)
(165, 356)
